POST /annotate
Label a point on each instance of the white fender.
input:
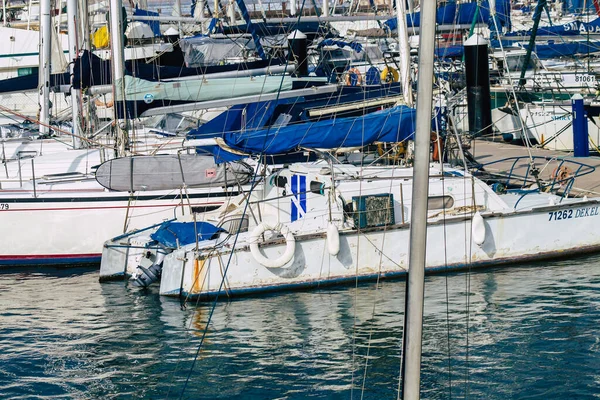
(478, 229)
(333, 239)
(289, 248)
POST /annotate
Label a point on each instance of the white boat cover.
(201, 90)
(167, 172)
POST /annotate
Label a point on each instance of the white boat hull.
(384, 252)
(550, 125)
(71, 228)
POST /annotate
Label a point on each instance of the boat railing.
(524, 175)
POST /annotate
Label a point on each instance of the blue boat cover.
(357, 47)
(553, 50)
(574, 28)
(154, 25)
(261, 114)
(170, 233)
(31, 82)
(579, 6)
(310, 28)
(449, 51)
(392, 125)
(91, 70)
(463, 14)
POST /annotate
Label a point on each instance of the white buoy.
(478, 229)
(333, 239)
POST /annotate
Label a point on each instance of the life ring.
(390, 74)
(355, 72)
(289, 248)
(561, 175)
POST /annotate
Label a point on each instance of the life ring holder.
(356, 73)
(290, 247)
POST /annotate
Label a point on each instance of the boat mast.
(413, 320)
(251, 28)
(85, 24)
(537, 15)
(404, 50)
(45, 56)
(118, 71)
(72, 13)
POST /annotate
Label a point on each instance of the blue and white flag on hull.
(298, 200)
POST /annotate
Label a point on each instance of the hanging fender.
(333, 239)
(290, 247)
(478, 229)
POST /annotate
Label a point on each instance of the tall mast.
(72, 15)
(418, 227)
(118, 71)
(45, 56)
(537, 14)
(404, 49)
(84, 21)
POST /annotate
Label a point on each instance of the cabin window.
(439, 202)
(26, 71)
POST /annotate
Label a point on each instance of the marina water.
(526, 331)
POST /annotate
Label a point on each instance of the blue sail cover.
(357, 47)
(554, 50)
(241, 116)
(574, 28)
(579, 6)
(392, 125)
(449, 51)
(463, 14)
(309, 28)
(91, 70)
(260, 115)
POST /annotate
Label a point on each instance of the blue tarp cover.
(449, 51)
(154, 25)
(462, 14)
(171, 232)
(392, 125)
(550, 49)
(579, 6)
(571, 29)
(357, 47)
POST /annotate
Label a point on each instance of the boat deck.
(486, 151)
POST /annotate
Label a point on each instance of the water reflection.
(493, 334)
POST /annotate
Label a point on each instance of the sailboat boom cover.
(392, 125)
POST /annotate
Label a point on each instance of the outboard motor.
(143, 276)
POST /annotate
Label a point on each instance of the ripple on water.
(527, 332)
